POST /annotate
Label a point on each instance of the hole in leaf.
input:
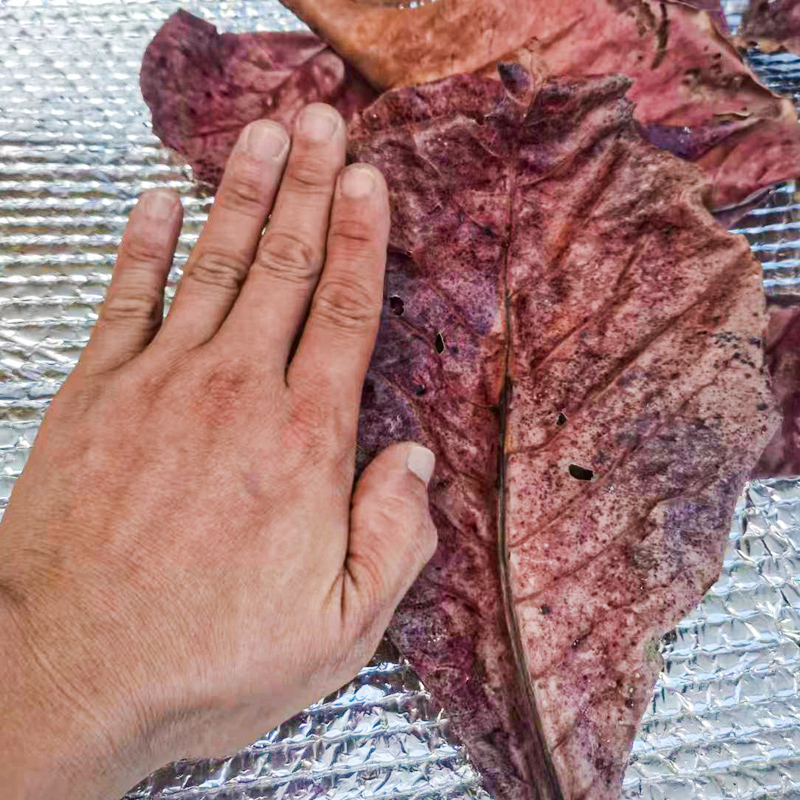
(439, 343)
(561, 419)
(396, 305)
(580, 473)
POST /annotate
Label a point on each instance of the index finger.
(336, 344)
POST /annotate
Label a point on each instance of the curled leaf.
(686, 74)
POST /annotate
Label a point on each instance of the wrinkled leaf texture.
(580, 343)
(203, 87)
(771, 25)
(687, 76)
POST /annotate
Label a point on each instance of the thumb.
(392, 535)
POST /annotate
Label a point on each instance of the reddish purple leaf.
(687, 75)
(772, 25)
(203, 87)
(580, 343)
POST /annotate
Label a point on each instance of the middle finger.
(279, 285)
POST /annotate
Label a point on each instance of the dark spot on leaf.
(454, 350)
(561, 419)
(575, 643)
(419, 390)
(762, 407)
(545, 610)
(439, 343)
(396, 305)
(580, 473)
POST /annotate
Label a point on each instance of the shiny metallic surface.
(75, 151)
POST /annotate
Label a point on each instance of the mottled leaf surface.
(203, 87)
(686, 74)
(772, 25)
(580, 342)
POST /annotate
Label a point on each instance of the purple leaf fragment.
(203, 87)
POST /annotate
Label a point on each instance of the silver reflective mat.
(75, 150)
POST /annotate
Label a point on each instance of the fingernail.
(357, 181)
(264, 140)
(421, 462)
(159, 205)
(319, 122)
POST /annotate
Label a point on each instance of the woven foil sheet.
(75, 151)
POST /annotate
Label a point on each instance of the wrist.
(55, 742)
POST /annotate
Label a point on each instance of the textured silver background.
(75, 150)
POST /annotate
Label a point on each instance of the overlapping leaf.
(687, 76)
(580, 343)
(772, 25)
(203, 87)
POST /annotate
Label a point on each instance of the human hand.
(184, 562)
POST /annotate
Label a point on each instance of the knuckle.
(218, 269)
(384, 517)
(320, 434)
(310, 175)
(145, 386)
(351, 233)
(307, 429)
(224, 387)
(416, 538)
(346, 304)
(132, 305)
(141, 251)
(289, 257)
(243, 190)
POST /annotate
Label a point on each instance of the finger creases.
(339, 335)
(131, 314)
(227, 245)
(275, 297)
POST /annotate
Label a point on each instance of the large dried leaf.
(772, 25)
(686, 75)
(203, 87)
(580, 343)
